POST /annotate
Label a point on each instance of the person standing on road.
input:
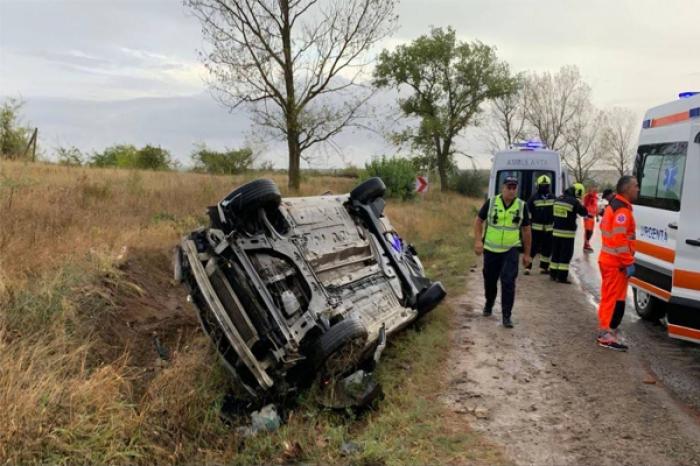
(616, 261)
(507, 229)
(540, 206)
(565, 211)
(590, 202)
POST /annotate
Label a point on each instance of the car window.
(660, 169)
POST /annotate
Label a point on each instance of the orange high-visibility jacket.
(590, 202)
(617, 229)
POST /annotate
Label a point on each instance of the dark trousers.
(502, 265)
(562, 252)
(542, 245)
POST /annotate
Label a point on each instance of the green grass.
(60, 403)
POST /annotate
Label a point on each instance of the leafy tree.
(296, 64)
(13, 136)
(228, 162)
(448, 81)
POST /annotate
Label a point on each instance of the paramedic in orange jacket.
(616, 261)
(590, 202)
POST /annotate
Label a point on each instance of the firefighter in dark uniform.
(565, 211)
(501, 228)
(542, 223)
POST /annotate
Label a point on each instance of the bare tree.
(584, 143)
(505, 121)
(552, 102)
(620, 128)
(297, 64)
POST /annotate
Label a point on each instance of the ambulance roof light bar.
(685, 95)
(530, 145)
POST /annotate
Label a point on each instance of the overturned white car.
(292, 288)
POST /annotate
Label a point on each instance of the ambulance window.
(537, 173)
(502, 177)
(660, 169)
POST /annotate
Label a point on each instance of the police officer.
(540, 207)
(565, 210)
(507, 229)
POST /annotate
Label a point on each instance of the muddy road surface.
(548, 395)
(675, 362)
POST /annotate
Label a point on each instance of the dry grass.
(65, 399)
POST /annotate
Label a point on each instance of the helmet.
(579, 190)
(544, 179)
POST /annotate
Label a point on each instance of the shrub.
(398, 174)
(70, 156)
(120, 155)
(13, 136)
(152, 158)
(470, 182)
(128, 156)
(228, 162)
(350, 171)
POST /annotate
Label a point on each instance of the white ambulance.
(528, 161)
(667, 261)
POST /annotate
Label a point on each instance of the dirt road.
(548, 395)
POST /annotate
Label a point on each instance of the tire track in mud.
(548, 395)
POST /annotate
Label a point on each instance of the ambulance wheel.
(648, 307)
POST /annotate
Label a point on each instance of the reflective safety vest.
(617, 229)
(562, 210)
(565, 210)
(503, 225)
(542, 214)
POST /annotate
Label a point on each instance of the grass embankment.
(85, 301)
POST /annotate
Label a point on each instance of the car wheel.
(340, 344)
(647, 306)
(252, 196)
(429, 298)
(368, 191)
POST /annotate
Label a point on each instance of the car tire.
(429, 298)
(368, 191)
(252, 196)
(647, 306)
(338, 336)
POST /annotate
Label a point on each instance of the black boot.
(507, 323)
(488, 310)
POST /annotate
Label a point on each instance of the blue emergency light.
(532, 144)
(685, 95)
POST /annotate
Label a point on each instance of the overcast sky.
(634, 53)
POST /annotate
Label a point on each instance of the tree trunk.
(294, 159)
(443, 160)
(292, 120)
